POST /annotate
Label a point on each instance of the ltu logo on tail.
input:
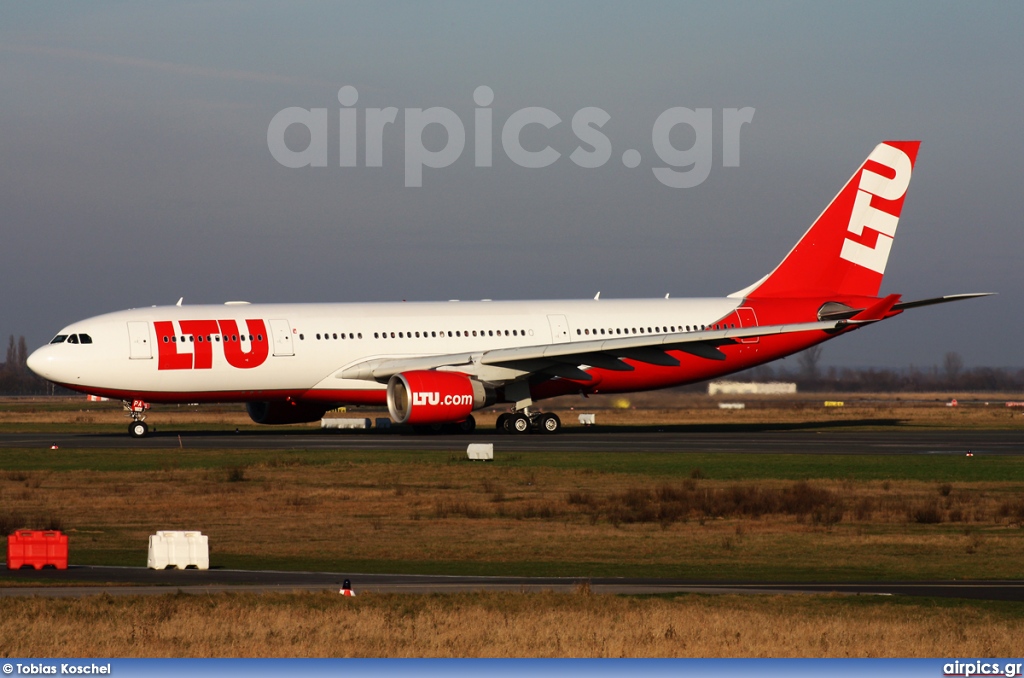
(866, 215)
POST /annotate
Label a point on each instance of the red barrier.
(37, 548)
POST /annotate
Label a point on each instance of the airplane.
(434, 363)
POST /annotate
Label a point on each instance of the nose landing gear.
(137, 411)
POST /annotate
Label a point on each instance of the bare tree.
(809, 360)
(12, 357)
(952, 364)
(22, 360)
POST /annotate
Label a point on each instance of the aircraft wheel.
(138, 429)
(467, 426)
(502, 423)
(519, 423)
(550, 423)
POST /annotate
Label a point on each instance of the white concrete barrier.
(480, 451)
(732, 406)
(345, 423)
(179, 549)
(751, 388)
(588, 419)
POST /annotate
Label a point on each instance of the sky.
(137, 167)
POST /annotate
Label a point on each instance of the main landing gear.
(525, 421)
(137, 411)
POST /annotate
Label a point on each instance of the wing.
(564, 360)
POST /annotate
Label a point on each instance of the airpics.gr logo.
(683, 168)
(865, 215)
(980, 667)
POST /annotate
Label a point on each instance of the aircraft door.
(559, 329)
(139, 347)
(282, 331)
(747, 319)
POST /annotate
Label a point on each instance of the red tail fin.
(845, 251)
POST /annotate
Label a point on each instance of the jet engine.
(432, 397)
(275, 413)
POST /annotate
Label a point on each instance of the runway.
(83, 580)
(813, 438)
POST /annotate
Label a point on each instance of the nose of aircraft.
(37, 362)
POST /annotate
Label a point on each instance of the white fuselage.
(156, 352)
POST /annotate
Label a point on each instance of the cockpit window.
(85, 338)
(59, 339)
(73, 339)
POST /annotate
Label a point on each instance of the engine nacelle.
(276, 413)
(432, 397)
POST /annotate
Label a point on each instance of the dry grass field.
(733, 516)
(504, 625)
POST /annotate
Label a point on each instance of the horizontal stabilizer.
(877, 311)
(837, 311)
(939, 300)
